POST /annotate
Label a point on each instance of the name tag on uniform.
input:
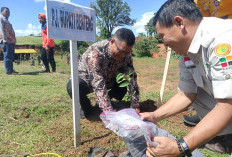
(188, 62)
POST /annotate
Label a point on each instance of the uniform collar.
(196, 42)
(207, 32)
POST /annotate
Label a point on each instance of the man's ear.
(178, 21)
(112, 40)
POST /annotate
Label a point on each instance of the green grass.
(29, 103)
(32, 40)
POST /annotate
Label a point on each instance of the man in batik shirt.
(98, 68)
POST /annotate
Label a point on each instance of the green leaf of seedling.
(124, 84)
(119, 77)
(122, 81)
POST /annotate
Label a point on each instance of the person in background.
(39, 60)
(210, 8)
(47, 55)
(7, 41)
(98, 68)
(205, 78)
(68, 58)
(32, 61)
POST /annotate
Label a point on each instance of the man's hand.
(5, 43)
(148, 116)
(47, 49)
(166, 147)
(137, 110)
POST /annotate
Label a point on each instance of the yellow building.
(217, 8)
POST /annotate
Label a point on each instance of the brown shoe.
(220, 144)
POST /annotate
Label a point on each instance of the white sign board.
(67, 21)
(72, 22)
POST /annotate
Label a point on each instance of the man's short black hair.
(3, 8)
(171, 8)
(124, 34)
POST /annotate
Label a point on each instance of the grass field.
(36, 111)
(32, 40)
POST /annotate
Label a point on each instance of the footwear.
(191, 120)
(54, 70)
(15, 72)
(12, 73)
(82, 115)
(220, 144)
(45, 71)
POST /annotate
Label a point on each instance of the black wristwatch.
(180, 149)
(184, 145)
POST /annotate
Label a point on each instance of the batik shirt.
(208, 64)
(99, 70)
(7, 33)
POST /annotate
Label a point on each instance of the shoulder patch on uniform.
(222, 49)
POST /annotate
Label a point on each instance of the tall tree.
(111, 14)
(150, 28)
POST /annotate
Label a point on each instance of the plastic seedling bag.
(135, 132)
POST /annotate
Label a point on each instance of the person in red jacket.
(47, 55)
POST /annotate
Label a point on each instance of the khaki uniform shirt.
(209, 61)
(7, 33)
(99, 70)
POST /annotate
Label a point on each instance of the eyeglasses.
(121, 51)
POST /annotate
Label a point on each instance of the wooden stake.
(164, 77)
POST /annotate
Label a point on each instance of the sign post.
(67, 21)
(75, 93)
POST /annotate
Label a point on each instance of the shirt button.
(227, 76)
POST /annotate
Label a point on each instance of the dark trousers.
(115, 92)
(48, 57)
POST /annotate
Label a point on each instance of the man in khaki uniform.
(205, 78)
(210, 8)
